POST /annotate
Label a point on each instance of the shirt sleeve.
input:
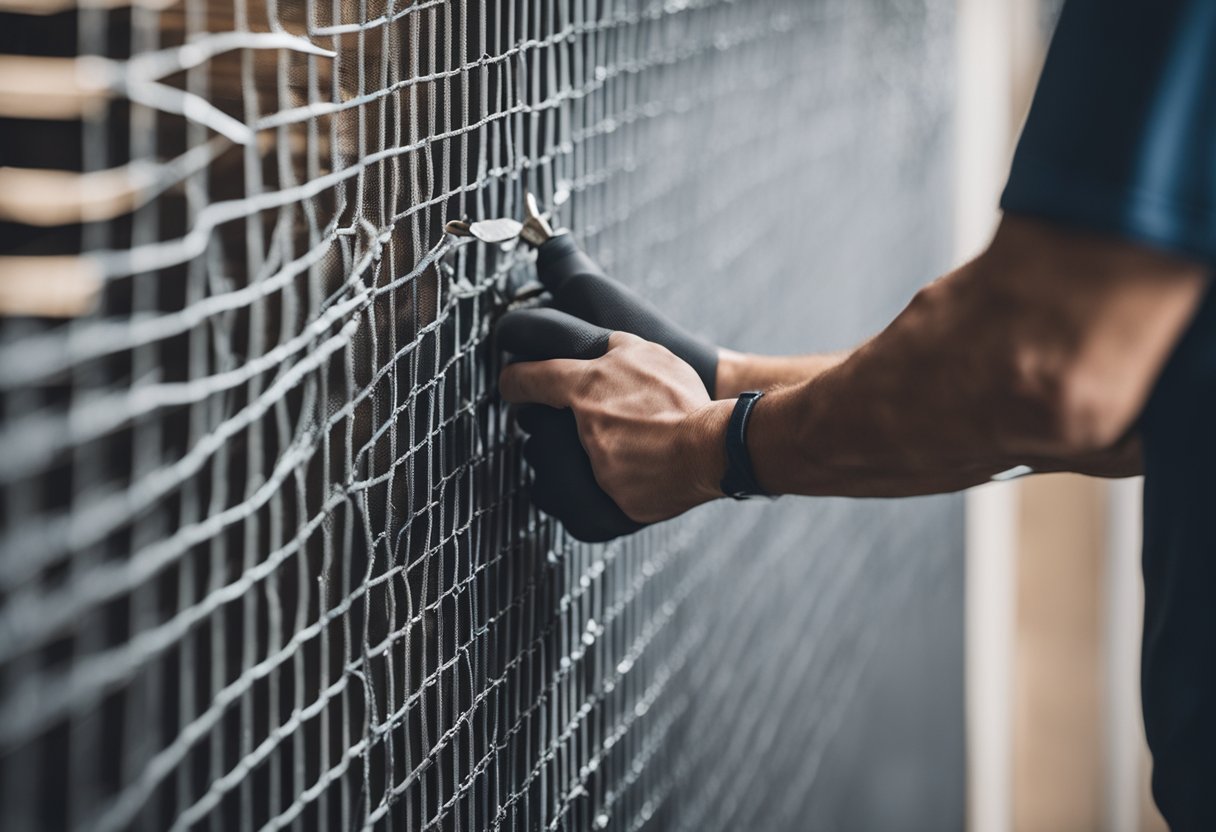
(1121, 137)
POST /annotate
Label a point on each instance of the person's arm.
(738, 371)
(1040, 352)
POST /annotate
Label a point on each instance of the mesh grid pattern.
(267, 559)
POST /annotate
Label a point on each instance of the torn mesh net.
(267, 557)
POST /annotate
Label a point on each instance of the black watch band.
(740, 480)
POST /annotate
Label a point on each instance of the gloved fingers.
(542, 497)
(568, 493)
(531, 417)
(584, 521)
(563, 482)
(551, 382)
(553, 436)
(534, 453)
(537, 334)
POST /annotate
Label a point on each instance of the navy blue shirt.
(1121, 140)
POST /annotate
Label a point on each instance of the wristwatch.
(740, 480)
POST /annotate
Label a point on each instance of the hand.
(643, 416)
(563, 484)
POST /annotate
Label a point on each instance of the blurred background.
(1054, 595)
(267, 559)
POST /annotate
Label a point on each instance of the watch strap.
(739, 481)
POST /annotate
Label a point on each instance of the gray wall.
(826, 688)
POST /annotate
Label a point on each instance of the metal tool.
(488, 231)
(535, 230)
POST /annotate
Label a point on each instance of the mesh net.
(267, 558)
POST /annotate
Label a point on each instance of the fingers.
(550, 382)
(555, 347)
(537, 334)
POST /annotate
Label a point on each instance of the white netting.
(267, 559)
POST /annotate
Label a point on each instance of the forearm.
(739, 371)
(1013, 359)
(1041, 352)
(907, 413)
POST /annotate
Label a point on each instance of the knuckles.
(624, 404)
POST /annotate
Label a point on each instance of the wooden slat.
(48, 287)
(51, 88)
(57, 197)
(1058, 742)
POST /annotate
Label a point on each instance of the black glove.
(581, 288)
(563, 483)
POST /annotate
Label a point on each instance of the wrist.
(732, 373)
(705, 450)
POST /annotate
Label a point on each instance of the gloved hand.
(581, 288)
(563, 483)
